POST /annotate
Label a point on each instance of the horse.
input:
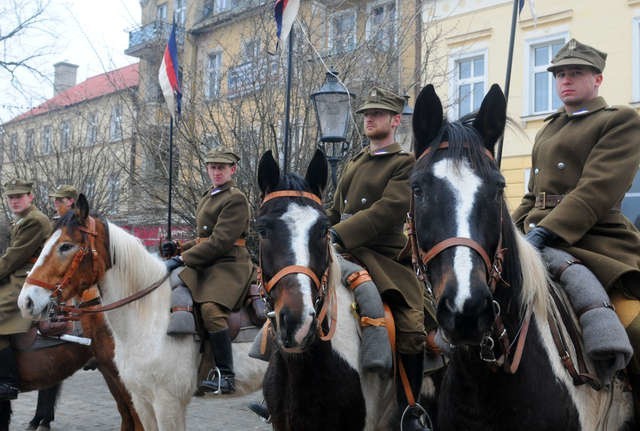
(314, 381)
(491, 287)
(160, 371)
(45, 368)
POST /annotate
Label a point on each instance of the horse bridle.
(321, 283)
(493, 267)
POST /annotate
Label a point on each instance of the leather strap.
(355, 279)
(291, 194)
(545, 200)
(445, 144)
(292, 269)
(188, 308)
(370, 321)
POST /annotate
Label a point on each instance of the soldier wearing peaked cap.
(368, 212)
(64, 198)
(584, 160)
(29, 231)
(218, 265)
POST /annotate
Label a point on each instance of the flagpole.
(287, 106)
(170, 178)
(507, 81)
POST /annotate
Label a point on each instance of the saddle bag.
(255, 306)
(54, 329)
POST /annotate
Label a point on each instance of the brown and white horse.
(160, 371)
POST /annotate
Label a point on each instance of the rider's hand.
(541, 237)
(335, 238)
(173, 263)
(168, 248)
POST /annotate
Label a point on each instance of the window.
(250, 50)
(342, 32)
(161, 12)
(381, 25)
(180, 12)
(631, 202)
(470, 82)
(30, 142)
(47, 146)
(212, 78)
(543, 93)
(115, 124)
(113, 193)
(65, 136)
(92, 128)
(13, 147)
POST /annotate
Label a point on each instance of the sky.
(89, 33)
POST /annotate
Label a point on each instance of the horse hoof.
(44, 428)
(31, 427)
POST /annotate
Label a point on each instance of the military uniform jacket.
(590, 157)
(217, 270)
(368, 213)
(28, 235)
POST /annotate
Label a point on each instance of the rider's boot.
(9, 377)
(413, 417)
(221, 379)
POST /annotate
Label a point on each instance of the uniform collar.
(19, 217)
(226, 186)
(593, 105)
(389, 149)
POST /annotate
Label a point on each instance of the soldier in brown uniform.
(583, 161)
(29, 232)
(218, 265)
(64, 198)
(368, 213)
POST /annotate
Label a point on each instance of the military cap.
(221, 155)
(381, 98)
(574, 53)
(65, 191)
(17, 186)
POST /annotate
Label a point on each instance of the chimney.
(64, 76)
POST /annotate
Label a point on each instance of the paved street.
(86, 405)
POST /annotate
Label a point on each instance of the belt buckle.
(544, 199)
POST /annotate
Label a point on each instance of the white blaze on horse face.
(464, 184)
(39, 297)
(299, 220)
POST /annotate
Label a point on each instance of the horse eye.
(417, 191)
(65, 247)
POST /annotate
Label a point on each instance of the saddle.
(44, 334)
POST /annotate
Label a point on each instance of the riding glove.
(173, 263)
(335, 238)
(541, 237)
(168, 248)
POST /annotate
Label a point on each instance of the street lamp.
(404, 132)
(332, 103)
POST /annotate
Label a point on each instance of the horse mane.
(134, 267)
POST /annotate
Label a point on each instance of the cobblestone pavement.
(85, 404)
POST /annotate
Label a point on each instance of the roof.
(92, 88)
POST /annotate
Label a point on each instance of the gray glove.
(173, 263)
(541, 237)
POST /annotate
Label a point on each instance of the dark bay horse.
(159, 370)
(43, 368)
(505, 372)
(313, 382)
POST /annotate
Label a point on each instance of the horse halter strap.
(79, 256)
(299, 269)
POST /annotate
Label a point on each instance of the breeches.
(628, 310)
(214, 316)
(5, 341)
(410, 334)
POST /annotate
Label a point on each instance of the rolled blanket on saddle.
(182, 321)
(605, 339)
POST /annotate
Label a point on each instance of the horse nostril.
(29, 303)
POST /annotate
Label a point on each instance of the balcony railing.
(151, 38)
(216, 12)
(249, 77)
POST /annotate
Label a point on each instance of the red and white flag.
(285, 12)
(168, 76)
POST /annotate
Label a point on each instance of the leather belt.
(545, 200)
(241, 242)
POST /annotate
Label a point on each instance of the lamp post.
(332, 103)
(404, 132)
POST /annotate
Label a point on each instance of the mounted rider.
(29, 231)
(218, 265)
(367, 214)
(583, 161)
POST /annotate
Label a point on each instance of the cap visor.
(573, 61)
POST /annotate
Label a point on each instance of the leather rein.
(88, 247)
(493, 267)
(325, 293)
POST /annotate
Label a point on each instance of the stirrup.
(213, 383)
(419, 413)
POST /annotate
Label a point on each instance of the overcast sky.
(92, 34)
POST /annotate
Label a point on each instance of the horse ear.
(491, 117)
(268, 173)
(427, 118)
(317, 173)
(82, 208)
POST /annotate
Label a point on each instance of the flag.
(285, 12)
(520, 6)
(532, 9)
(168, 75)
